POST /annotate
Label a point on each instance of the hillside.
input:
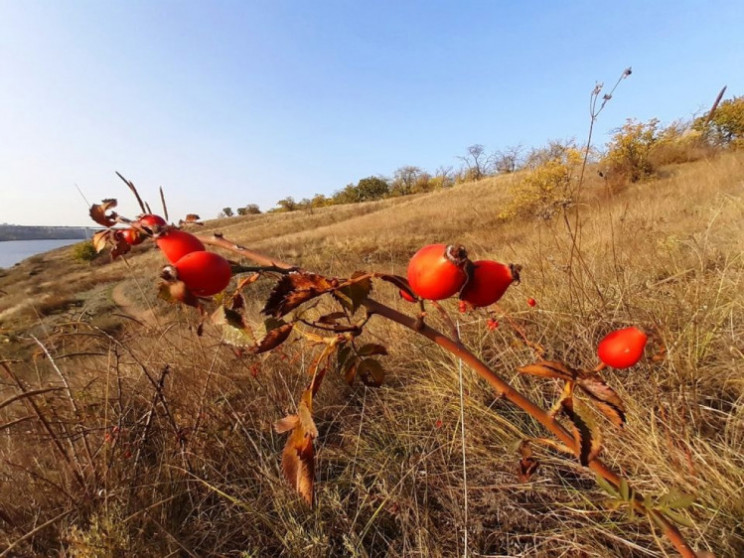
(112, 465)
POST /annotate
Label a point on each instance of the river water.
(14, 251)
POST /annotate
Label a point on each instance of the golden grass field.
(105, 465)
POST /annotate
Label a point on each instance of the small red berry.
(462, 306)
(492, 324)
(438, 424)
(532, 302)
(622, 348)
(436, 271)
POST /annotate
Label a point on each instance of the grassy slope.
(665, 254)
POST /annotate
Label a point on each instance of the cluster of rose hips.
(438, 271)
(204, 273)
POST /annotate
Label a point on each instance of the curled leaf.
(286, 424)
(549, 369)
(100, 239)
(98, 212)
(294, 289)
(277, 332)
(604, 398)
(587, 444)
(371, 372)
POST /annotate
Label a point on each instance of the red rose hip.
(204, 273)
(176, 244)
(622, 348)
(436, 271)
(489, 283)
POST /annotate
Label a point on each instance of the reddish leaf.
(277, 332)
(605, 399)
(294, 289)
(191, 218)
(549, 369)
(120, 246)
(528, 465)
(98, 213)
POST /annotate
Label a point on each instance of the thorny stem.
(500, 385)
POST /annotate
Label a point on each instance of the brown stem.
(500, 385)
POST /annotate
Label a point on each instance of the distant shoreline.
(25, 232)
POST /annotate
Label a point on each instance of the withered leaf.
(98, 213)
(226, 316)
(352, 296)
(371, 372)
(371, 349)
(120, 246)
(549, 369)
(331, 318)
(298, 464)
(528, 465)
(99, 240)
(277, 332)
(286, 424)
(298, 457)
(191, 218)
(237, 301)
(294, 289)
(396, 280)
(587, 445)
(604, 398)
(245, 281)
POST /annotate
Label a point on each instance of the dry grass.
(194, 471)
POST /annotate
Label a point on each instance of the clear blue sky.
(229, 103)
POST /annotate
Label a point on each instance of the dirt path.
(131, 308)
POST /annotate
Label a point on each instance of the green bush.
(84, 252)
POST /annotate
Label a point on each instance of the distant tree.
(556, 149)
(476, 161)
(287, 204)
(404, 180)
(349, 194)
(250, 209)
(726, 126)
(443, 177)
(319, 200)
(372, 188)
(227, 212)
(508, 159)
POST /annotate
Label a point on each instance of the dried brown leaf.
(549, 369)
(100, 239)
(298, 464)
(245, 281)
(286, 424)
(294, 289)
(587, 444)
(372, 349)
(98, 212)
(604, 398)
(352, 296)
(277, 332)
(371, 372)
